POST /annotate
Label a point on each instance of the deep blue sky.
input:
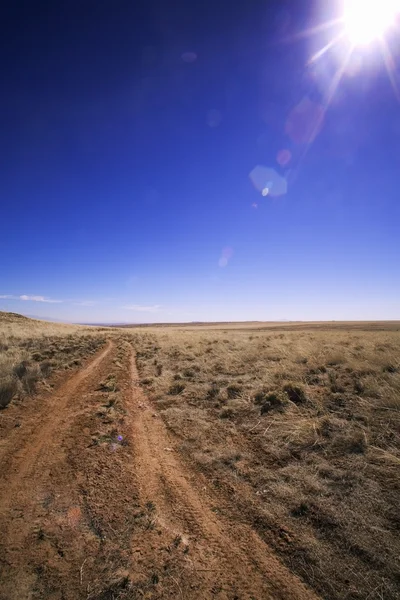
(129, 130)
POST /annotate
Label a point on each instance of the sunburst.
(363, 26)
(360, 24)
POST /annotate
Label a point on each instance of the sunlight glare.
(367, 20)
(390, 68)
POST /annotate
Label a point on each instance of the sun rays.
(360, 24)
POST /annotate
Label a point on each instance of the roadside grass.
(300, 429)
(30, 351)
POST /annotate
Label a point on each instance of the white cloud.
(139, 308)
(86, 303)
(31, 298)
(39, 299)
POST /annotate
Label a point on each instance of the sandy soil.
(97, 503)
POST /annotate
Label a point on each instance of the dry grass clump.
(302, 429)
(8, 389)
(109, 384)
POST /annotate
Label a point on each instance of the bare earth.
(96, 502)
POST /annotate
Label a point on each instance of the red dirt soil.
(96, 503)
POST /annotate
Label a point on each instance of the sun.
(358, 24)
(368, 20)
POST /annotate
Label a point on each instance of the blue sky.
(131, 132)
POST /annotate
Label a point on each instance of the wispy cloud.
(30, 298)
(139, 308)
(86, 303)
(39, 299)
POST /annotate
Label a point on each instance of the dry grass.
(30, 351)
(300, 429)
(296, 428)
(13, 326)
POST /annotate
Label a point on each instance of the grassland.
(285, 435)
(31, 350)
(299, 427)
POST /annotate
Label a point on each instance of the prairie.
(249, 460)
(298, 427)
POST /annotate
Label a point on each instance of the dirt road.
(97, 503)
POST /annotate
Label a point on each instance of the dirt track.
(95, 502)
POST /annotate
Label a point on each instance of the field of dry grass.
(300, 431)
(286, 434)
(31, 350)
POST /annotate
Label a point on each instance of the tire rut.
(229, 559)
(19, 462)
(31, 476)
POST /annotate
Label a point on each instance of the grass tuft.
(295, 393)
(8, 389)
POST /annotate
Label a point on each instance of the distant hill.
(10, 317)
(14, 324)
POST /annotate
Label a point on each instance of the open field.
(202, 461)
(275, 325)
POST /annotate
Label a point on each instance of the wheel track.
(27, 473)
(21, 461)
(246, 566)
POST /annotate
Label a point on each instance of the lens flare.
(358, 24)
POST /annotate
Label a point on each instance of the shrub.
(233, 391)
(189, 373)
(8, 389)
(109, 384)
(20, 369)
(295, 393)
(175, 389)
(272, 401)
(260, 397)
(312, 378)
(358, 386)
(390, 369)
(300, 510)
(213, 391)
(30, 379)
(45, 368)
(226, 413)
